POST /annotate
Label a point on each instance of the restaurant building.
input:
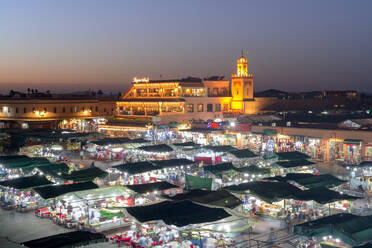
(53, 111)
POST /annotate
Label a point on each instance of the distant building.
(182, 100)
(43, 110)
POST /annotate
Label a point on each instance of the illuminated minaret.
(241, 84)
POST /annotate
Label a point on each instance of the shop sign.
(213, 124)
(243, 127)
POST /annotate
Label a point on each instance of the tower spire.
(242, 52)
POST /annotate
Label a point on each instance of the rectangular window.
(55, 110)
(217, 107)
(82, 110)
(64, 110)
(190, 108)
(104, 110)
(200, 107)
(121, 108)
(33, 110)
(96, 108)
(45, 110)
(8, 110)
(226, 107)
(76, 109)
(71, 110)
(209, 107)
(24, 110)
(16, 110)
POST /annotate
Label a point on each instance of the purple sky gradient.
(73, 45)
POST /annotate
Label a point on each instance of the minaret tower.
(241, 85)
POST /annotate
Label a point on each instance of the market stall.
(341, 230)
(70, 239)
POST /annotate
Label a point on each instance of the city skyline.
(77, 45)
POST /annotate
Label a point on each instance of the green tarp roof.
(362, 164)
(116, 141)
(84, 175)
(309, 180)
(291, 155)
(150, 187)
(276, 191)
(194, 182)
(187, 144)
(322, 195)
(180, 214)
(294, 163)
(221, 198)
(325, 180)
(220, 148)
(252, 169)
(54, 169)
(96, 194)
(351, 229)
(172, 162)
(145, 166)
(137, 167)
(352, 141)
(56, 190)
(244, 153)
(157, 148)
(21, 161)
(219, 168)
(228, 167)
(69, 239)
(267, 191)
(26, 182)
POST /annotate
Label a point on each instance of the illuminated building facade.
(189, 98)
(53, 112)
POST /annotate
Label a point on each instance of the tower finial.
(242, 52)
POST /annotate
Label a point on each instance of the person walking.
(288, 222)
(272, 237)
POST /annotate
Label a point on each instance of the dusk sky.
(73, 45)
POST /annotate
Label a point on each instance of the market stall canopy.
(309, 180)
(54, 169)
(243, 153)
(180, 214)
(26, 182)
(220, 168)
(177, 162)
(110, 141)
(267, 191)
(137, 167)
(96, 194)
(323, 195)
(157, 148)
(194, 182)
(117, 141)
(220, 198)
(53, 191)
(151, 187)
(70, 239)
(294, 163)
(220, 148)
(187, 144)
(229, 167)
(291, 155)
(361, 165)
(84, 175)
(351, 229)
(21, 161)
(352, 141)
(252, 169)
